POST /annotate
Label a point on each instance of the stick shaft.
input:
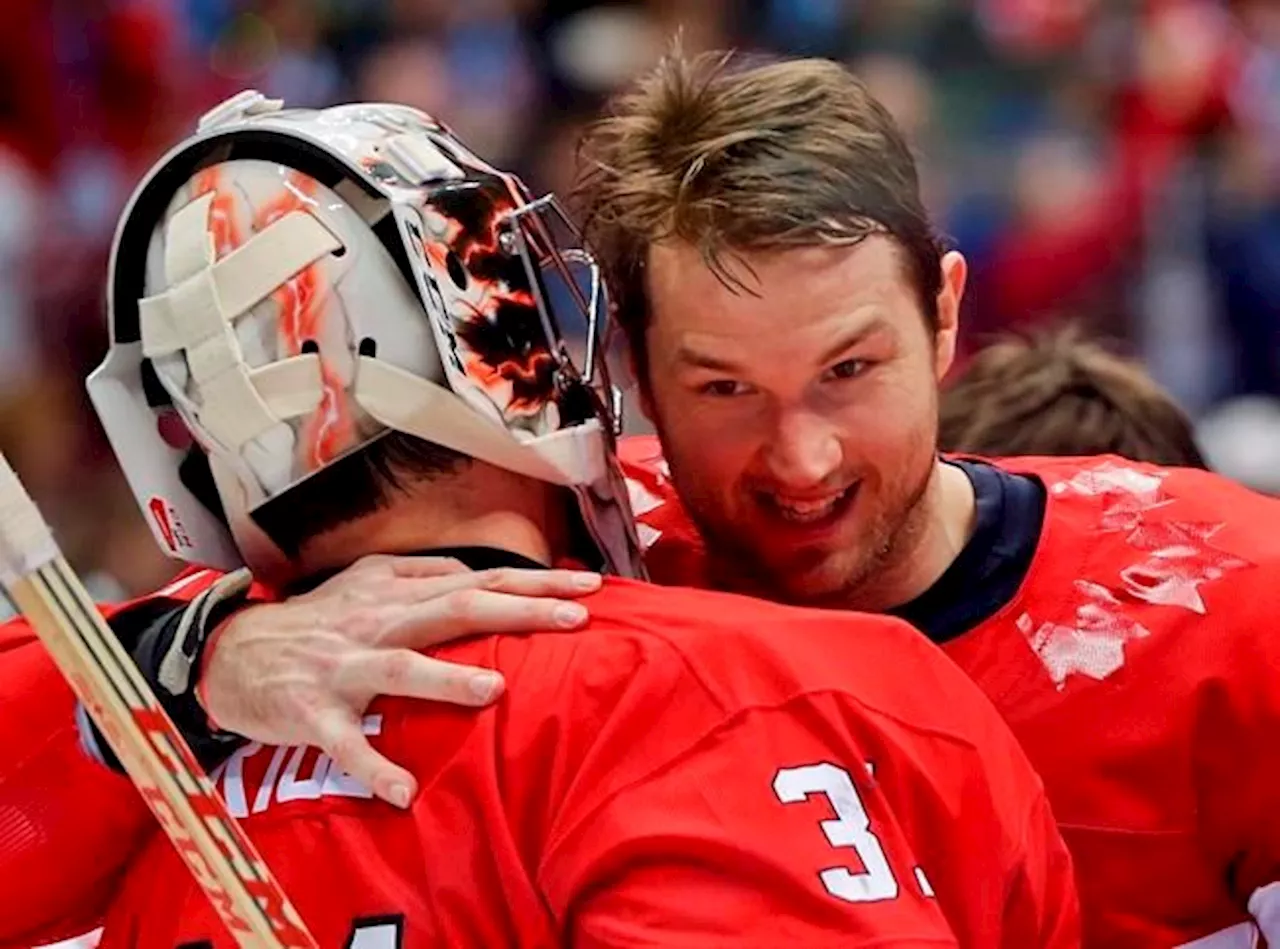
(219, 854)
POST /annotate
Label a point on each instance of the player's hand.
(303, 672)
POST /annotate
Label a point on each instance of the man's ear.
(955, 271)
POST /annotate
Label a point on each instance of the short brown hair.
(351, 487)
(732, 155)
(1058, 393)
(354, 486)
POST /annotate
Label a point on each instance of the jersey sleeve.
(1042, 908)
(68, 825)
(1236, 763)
(757, 837)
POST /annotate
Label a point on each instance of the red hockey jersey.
(1139, 665)
(693, 770)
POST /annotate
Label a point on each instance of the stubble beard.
(863, 581)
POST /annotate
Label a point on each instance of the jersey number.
(383, 932)
(851, 827)
(372, 932)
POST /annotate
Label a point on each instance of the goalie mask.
(288, 285)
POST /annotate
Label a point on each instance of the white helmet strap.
(194, 316)
(407, 403)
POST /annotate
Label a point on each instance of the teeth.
(806, 511)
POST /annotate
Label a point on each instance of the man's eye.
(722, 388)
(847, 369)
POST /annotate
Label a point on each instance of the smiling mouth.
(809, 512)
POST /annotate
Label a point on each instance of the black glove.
(166, 638)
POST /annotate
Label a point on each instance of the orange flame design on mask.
(525, 377)
(330, 429)
(223, 227)
(483, 299)
(528, 372)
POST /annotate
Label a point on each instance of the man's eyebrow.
(691, 357)
(851, 339)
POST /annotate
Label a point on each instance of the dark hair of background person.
(1057, 392)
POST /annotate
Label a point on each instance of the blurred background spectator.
(1058, 392)
(1115, 162)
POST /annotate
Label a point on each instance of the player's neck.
(513, 531)
(941, 525)
(485, 508)
(935, 531)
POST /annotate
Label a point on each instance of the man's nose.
(805, 450)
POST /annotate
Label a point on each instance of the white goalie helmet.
(286, 286)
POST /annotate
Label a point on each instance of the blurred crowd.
(1116, 162)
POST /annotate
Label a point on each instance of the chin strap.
(404, 402)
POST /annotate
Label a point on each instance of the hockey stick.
(215, 848)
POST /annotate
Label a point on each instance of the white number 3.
(370, 932)
(850, 828)
(386, 932)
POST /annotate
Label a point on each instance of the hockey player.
(790, 314)
(349, 316)
(1118, 614)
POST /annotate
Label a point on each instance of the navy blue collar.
(992, 565)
